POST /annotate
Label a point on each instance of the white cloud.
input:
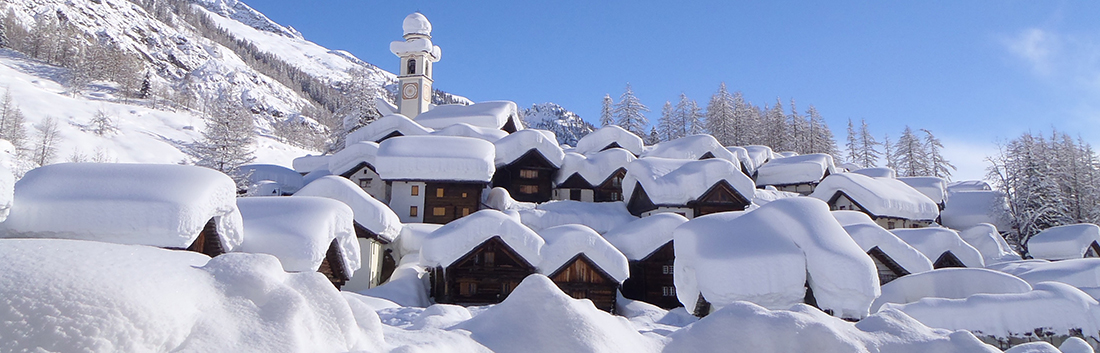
(968, 156)
(1035, 46)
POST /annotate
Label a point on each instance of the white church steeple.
(417, 55)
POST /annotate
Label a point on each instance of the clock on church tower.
(417, 56)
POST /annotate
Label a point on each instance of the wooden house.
(480, 259)
(1072, 241)
(356, 162)
(944, 247)
(933, 187)
(799, 174)
(892, 256)
(594, 178)
(526, 162)
(375, 226)
(648, 246)
(690, 188)
(161, 205)
(305, 233)
(435, 179)
(889, 202)
(502, 115)
(694, 147)
(583, 264)
(609, 137)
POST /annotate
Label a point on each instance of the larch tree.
(606, 117)
(697, 123)
(742, 119)
(852, 144)
(938, 166)
(888, 152)
(47, 137)
(667, 125)
(910, 155)
(630, 113)
(226, 142)
(776, 121)
(719, 121)
(868, 147)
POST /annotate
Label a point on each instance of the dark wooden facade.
(611, 189)
(530, 178)
(703, 307)
(393, 134)
(721, 197)
(651, 278)
(1093, 250)
(485, 275)
(208, 241)
(580, 278)
(333, 266)
(574, 184)
(510, 126)
(888, 269)
(841, 201)
(448, 201)
(947, 259)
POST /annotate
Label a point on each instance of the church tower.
(415, 75)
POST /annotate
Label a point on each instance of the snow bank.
(412, 238)
(454, 240)
(989, 243)
(643, 236)
(692, 147)
(299, 230)
(161, 205)
(883, 197)
(751, 328)
(567, 241)
(677, 181)
(492, 114)
(69, 296)
(512, 147)
(933, 242)
(538, 317)
(600, 216)
(384, 126)
(606, 136)
(289, 181)
(1006, 315)
(371, 214)
(879, 172)
(933, 187)
(444, 158)
(971, 208)
(467, 130)
(951, 283)
(770, 256)
(1075, 345)
(407, 286)
(810, 168)
(352, 156)
(594, 168)
(1062, 242)
(871, 235)
(769, 194)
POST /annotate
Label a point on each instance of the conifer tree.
(667, 125)
(869, 154)
(909, 155)
(888, 152)
(697, 124)
(742, 119)
(653, 137)
(937, 165)
(719, 121)
(821, 137)
(852, 145)
(606, 117)
(47, 137)
(102, 123)
(777, 126)
(630, 113)
(226, 142)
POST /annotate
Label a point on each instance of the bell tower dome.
(415, 73)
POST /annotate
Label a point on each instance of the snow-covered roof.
(512, 147)
(1014, 313)
(454, 240)
(492, 114)
(934, 241)
(971, 208)
(993, 247)
(677, 181)
(384, 126)
(352, 156)
(769, 257)
(607, 135)
(412, 237)
(371, 214)
(642, 237)
(743, 156)
(786, 154)
(299, 230)
(951, 283)
(289, 180)
(445, 158)
(600, 216)
(882, 197)
(877, 172)
(567, 241)
(759, 154)
(692, 147)
(416, 23)
(415, 45)
(933, 187)
(769, 194)
(309, 163)
(467, 130)
(1055, 243)
(594, 168)
(164, 205)
(809, 168)
(969, 185)
(871, 235)
(1080, 273)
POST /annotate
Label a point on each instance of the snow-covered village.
(192, 176)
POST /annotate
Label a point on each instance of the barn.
(648, 246)
(893, 257)
(889, 202)
(690, 188)
(526, 162)
(594, 178)
(583, 264)
(609, 137)
(435, 179)
(799, 174)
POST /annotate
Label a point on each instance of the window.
(438, 192)
(416, 190)
(668, 291)
(411, 68)
(528, 189)
(439, 211)
(528, 173)
(465, 211)
(575, 194)
(617, 181)
(412, 211)
(365, 183)
(891, 225)
(666, 269)
(467, 289)
(507, 287)
(463, 195)
(842, 207)
(616, 196)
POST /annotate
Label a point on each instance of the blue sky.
(973, 72)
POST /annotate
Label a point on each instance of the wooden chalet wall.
(208, 241)
(333, 266)
(529, 178)
(485, 275)
(841, 201)
(580, 278)
(574, 187)
(448, 201)
(947, 259)
(888, 269)
(720, 198)
(651, 279)
(612, 188)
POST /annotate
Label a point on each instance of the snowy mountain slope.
(144, 135)
(567, 125)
